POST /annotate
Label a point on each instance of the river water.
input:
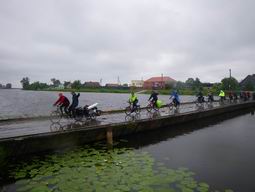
(16, 103)
(210, 155)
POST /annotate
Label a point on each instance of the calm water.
(202, 156)
(19, 103)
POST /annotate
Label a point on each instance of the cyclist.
(231, 96)
(133, 100)
(200, 97)
(176, 98)
(210, 97)
(153, 98)
(222, 95)
(63, 102)
(75, 102)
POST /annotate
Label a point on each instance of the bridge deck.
(36, 126)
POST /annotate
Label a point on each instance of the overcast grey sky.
(93, 39)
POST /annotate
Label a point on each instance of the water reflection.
(133, 117)
(153, 115)
(64, 126)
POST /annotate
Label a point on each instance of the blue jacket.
(175, 95)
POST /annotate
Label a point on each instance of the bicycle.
(130, 109)
(152, 106)
(57, 115)
(173, 106)
(87, 112)
(200, 103)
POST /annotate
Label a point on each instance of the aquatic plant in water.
(101, 170)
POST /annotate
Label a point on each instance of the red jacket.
(62, 100)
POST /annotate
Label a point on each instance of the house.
(137, 83)
(112, 85)
(159, 82)
(91, 84)
(248, 81)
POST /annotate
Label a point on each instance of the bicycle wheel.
(149, 108)
(138, 110)
(92, 116)
(128, 110)
(56, 127)
(55, 116)
(170, 106)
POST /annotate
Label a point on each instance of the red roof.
(159, 79)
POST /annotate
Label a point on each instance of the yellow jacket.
(222, 93)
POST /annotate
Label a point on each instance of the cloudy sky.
(132, 39)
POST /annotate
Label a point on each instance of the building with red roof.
(158, 82)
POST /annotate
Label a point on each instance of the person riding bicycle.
(153, 98)
(222, 95)
(210, 97)
(230, 96)
(75, 103)
(176, 98)
(133, 100)
(63, 102)
(200, 97)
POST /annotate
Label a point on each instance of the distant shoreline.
(120, 90)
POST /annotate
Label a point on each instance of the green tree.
(180, 85)
(76, 84)
(55, 82)
(25, 83)
(66, 83)
(195, 84)
(216, 88)
(230, 84)
(190, 82)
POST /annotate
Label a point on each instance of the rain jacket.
(222, 94)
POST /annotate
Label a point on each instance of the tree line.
(193, 84)
(26, 85)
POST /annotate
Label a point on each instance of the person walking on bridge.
(75, 103)
(63, 102)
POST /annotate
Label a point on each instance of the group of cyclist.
(63, 101)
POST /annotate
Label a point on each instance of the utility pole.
(161, 80)
(229, 79)
(118, 80)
